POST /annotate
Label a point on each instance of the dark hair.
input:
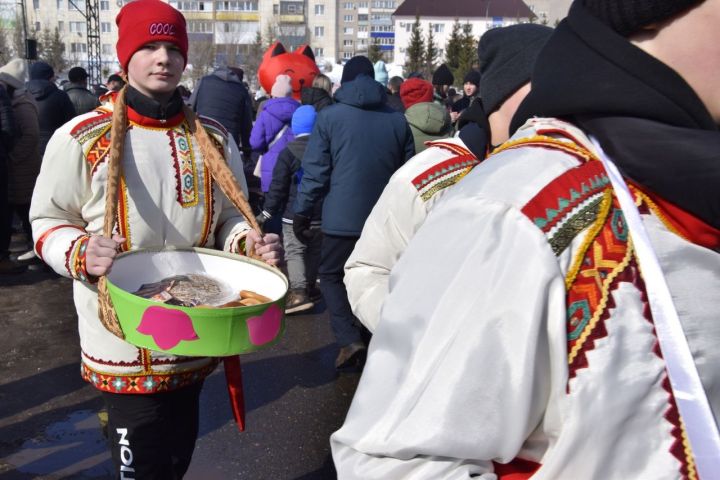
(394, 83)
(115, 78)
(77, 74)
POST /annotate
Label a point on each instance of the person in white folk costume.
(166, 198)
(555, 317)
(506, 56)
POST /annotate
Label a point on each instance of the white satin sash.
(689, 394)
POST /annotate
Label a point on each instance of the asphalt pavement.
(49, 425)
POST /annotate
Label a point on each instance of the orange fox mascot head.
(299, 65)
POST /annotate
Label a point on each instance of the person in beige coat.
(24, 158)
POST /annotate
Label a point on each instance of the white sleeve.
(61, 191)
(232, 226)
(397, 215)
(458, 371)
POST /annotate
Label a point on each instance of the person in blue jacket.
(356, 145)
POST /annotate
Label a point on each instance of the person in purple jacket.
(271, 133)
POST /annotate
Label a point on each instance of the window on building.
(437, 27)
(319, 9)
(77, 5)
(348, 6)
(362, 28)
(105, 27)
(105, 5)
(347, 43)
(190, 6)
(387, 4)
(199, 26)
(77, 27)
(61, 26)
(347, 18)
(348, 30)
(319, 52)
(276, 9)
(363, 4)
(384, 28)
(319, 31)
(60, 4)
(347, 55)
(38, 27)
(36, 4)
(107, 49)
(362, 17)
(77, 47)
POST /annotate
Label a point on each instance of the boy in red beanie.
(166, 197)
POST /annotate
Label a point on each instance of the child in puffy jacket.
(302, 260)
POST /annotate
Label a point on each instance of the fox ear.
(307, 51)
(277, 49)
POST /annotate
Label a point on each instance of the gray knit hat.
(507, 56)
(629, 16)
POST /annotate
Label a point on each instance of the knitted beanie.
(41, 71)
(144, 21)
(357, 65)
(381, 74)
(415, 90)
(629, 16)
(443, 76)
(473, 76)
(303, 120)
(507, 56)
(282, 86)
(14, 73)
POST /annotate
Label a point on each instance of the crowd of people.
(508, 266)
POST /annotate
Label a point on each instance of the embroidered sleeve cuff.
(75, 260)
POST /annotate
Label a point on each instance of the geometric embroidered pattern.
(443, 175)
(93, 134)
(582, 200)
(144, 382)
(184, 163)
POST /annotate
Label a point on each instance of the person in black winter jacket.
(7, 135)
(302, 260)
(223, 97)
(82, 99)
(54, 105)
(356, 146)
(320, 94)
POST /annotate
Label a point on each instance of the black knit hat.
(357, 65)
(442, 76)
(507, 56)
(629, 16)
(473, 76)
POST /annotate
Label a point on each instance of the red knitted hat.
(145, 21)
(415, 90)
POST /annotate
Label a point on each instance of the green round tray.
(197, 331)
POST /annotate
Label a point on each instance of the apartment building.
(477, 17)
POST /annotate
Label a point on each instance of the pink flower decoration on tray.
(266, 327)
(167, 326)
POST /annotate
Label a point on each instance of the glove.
(301, 228)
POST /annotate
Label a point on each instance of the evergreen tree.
(453, 47)
(270, 35)
(467, 57)
(5, 53)
(51, 49)
(415, 53)
(374, 51)
(431, 54)
(253, 59)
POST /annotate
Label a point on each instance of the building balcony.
(292, 18)
(238, 16)
(198, 15)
